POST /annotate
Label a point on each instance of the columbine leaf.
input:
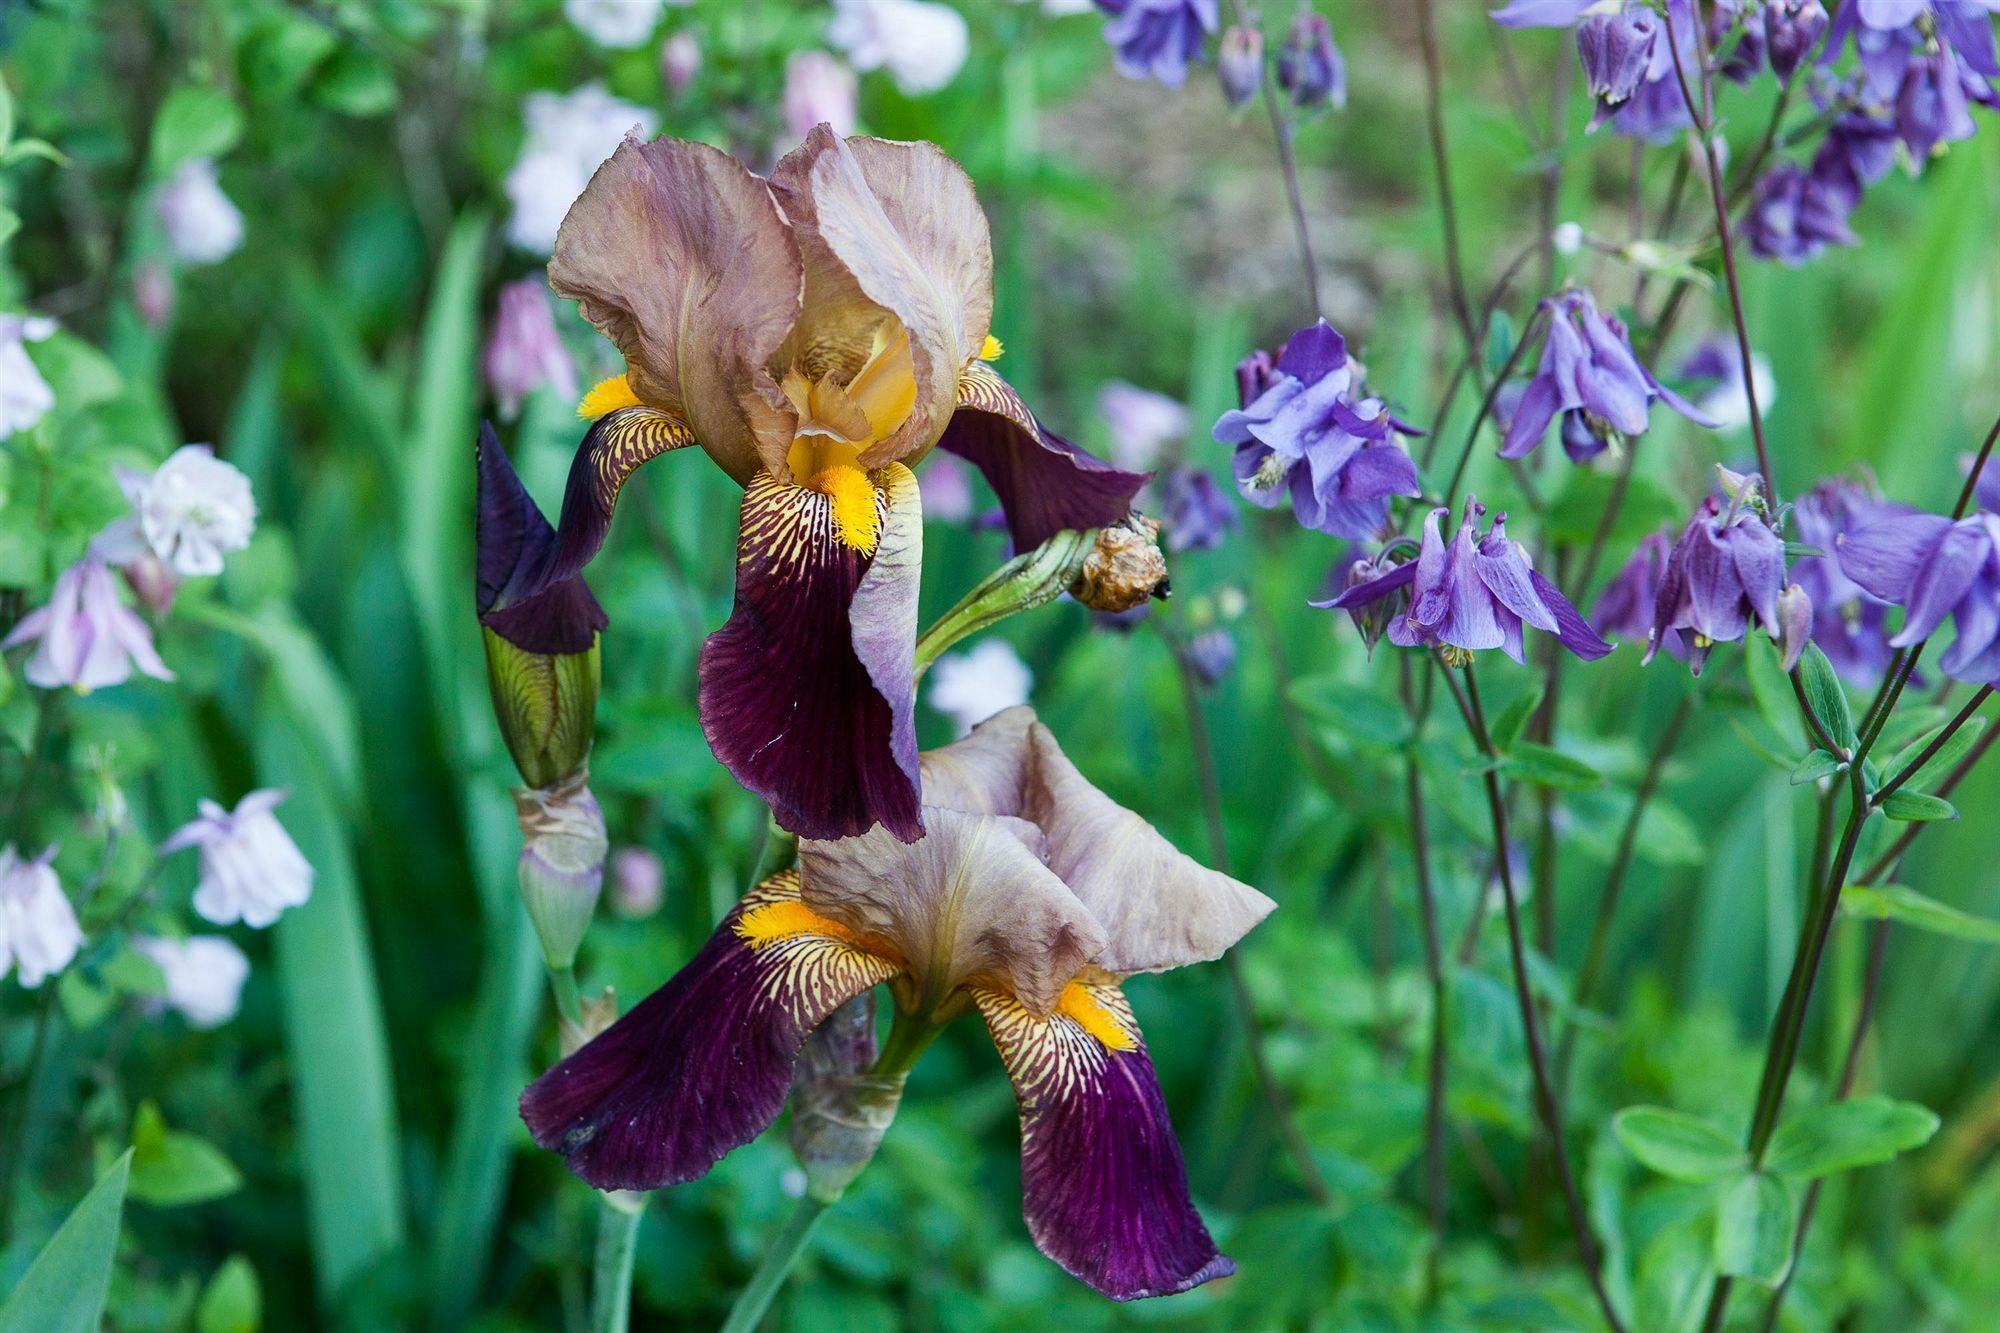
(171, 1169)
(1943, 761)
(1893, 902)
(1843, 1135)
(1819, 764)
(1916, 807)
(1354, 711)
(194, 121)
(1546, 766)
(1513, 720)
(1827, 697)
(233, 1302)
(1753, 1229)
(1678, 1145)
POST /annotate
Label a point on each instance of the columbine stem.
(1544, 1089)
(618, 1218)
(1281, 130)
(1435, 1077)
(1454, 270)
(1486, 408)
(786, 1247)
(1239, 987)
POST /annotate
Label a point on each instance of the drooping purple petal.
(1374, 590)
(1045, 483)
(1104, 1190)
(1538, 406)
(1759, 555)
(1943, 580)
(1313, 353)
(795, 689)
(1884, 557)
(702, 1065)
(1505, 573)
(1572, 629)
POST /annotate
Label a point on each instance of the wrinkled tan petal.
(889, 229)
(684, 259)
(985, 772)
(969, 901)
(1159, 908)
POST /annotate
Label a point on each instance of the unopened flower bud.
(1239, 66)
(680, 62)
(638, 882)
(1372, 618)
(1310, 66)
(1212, 655)
(1124, 568)
(153, 293)
(547, 707)
(152, 582)
(1795, 623)
(840, 1110)
(1567, 238)
(1791, 29)
(562, 863)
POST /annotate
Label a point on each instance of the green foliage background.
(366, 1094)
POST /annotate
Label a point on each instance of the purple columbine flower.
(1935, 568)
(1197, 513)
(1791, 29)
(1474, 592)
(1715, 370)
(1616, 50)
(1727, 568)
(1588, 367)
(1651, 107)
(1848, 619)
(1212, 655)
(85, 638)
(1310, 67)
(1745, 60)
(1986, 489)
(1239, 65)
(1924, 61)
(1158, 39)
(1306, 435)
(1796, 214)
(1624, 610)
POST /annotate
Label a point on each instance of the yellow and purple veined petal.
(1045, 484)
(1103, 1188)
(684, 259)
(807, 693)
(703, 1064)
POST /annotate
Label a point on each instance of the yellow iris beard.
(1081, 1007)
(607, 396)
(785, 919)
(855, 519)
(991, 349)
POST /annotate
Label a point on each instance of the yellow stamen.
(854, 515)
(786, 919)
(991, 349)
(607, 396)
(1087, 1012)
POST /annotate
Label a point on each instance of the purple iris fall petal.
(1103, 1188)
(807, 692)
(703, 1064)
(519, 595)
(1588, 373)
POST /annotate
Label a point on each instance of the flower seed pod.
(1795, 623)
(1124, 568)
(1239, 65)
(839, 1110)
(562, 863)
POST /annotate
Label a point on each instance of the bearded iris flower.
(815, 334)
(1030, 898)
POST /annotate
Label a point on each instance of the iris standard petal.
(703, 1064)
(896, 225)
(1103, 1188)
(971, 899)
(1159, 908)
(683, 259)
(1045, 483)
(806, 692)
(1884, 557)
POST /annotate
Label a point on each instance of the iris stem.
(1544, 1089)
(569, 1004)
(618, 1217)
(777, 1264)
(1239, 987)
(1437, 1073)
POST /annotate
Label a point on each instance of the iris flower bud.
(547, 707)
(840, 1110)
(562, 863)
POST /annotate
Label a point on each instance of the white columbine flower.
(85, 638)
(569, 136)
(38, 930)
(204, 975)
(972, 686)
(618, 25)
(201, 224)
(25, 397)
(188, 512)
(921, 44)
(251, 870)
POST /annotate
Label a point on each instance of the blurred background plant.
(313, 235)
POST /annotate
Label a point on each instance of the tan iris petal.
(886, 231)
(682, 257)
(970, 901)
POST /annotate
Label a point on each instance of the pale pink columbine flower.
(1141, 422)
(638, 882)
(972, 686)
(922, 45)
(680, 62)
(819, 89)
(25, 397)
(945, 486)
(85, 638)
(569, 136)
(617, 25)
(188, 512)
(251, 870)
(524, 352)
(201, 224)
(204, 976)
(38, 930)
